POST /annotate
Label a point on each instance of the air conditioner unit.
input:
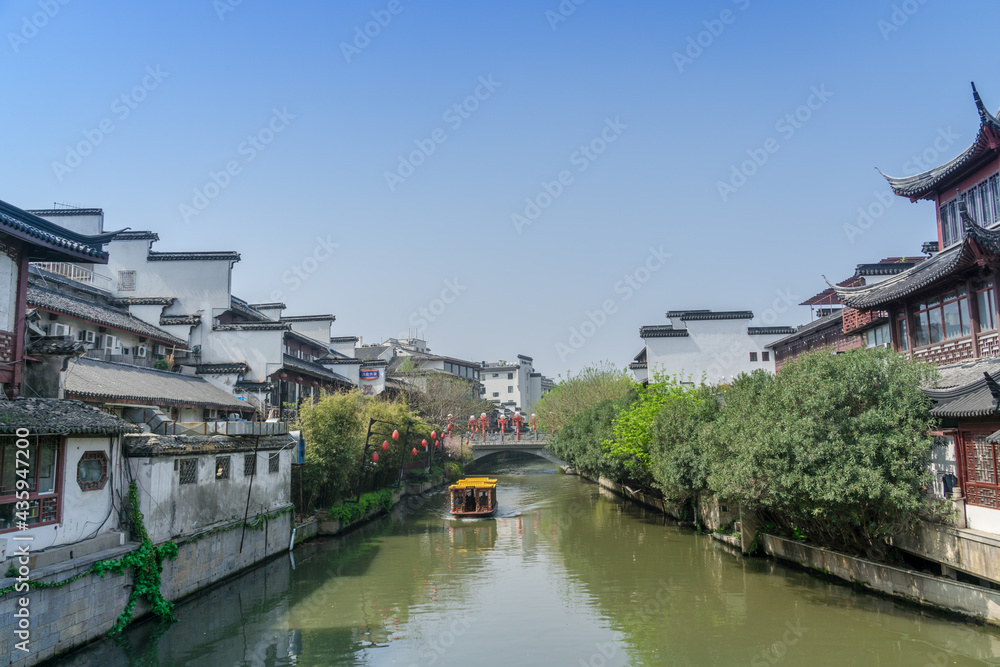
(140, 351)
(109, 342)
(126, 351)
(160, 350)
(90, 336)
(59, 330)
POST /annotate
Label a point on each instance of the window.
(447, 367)
(986, 300)
(222, 467)
(510, 389)
(510, 376)
(496, 394)
(753, 356)
(765, 356)
(273, 461)
(249, 464)
(878, 336)
(904, 342)
(92, 471)
(188, 471)
(42, 459)
(942, 318)
(983, 203)
(496, 375)
(126, 281)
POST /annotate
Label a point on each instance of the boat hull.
(484, 513)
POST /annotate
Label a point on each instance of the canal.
(567, 574)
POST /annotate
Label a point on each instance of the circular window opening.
(92, 471)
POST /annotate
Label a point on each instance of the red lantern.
(414, 451)
(434, 435)
(385, 446)
(374, 457)
(395, 435)
(424, 443)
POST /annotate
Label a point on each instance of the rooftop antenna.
(61, 205)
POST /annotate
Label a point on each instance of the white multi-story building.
(705, 345)
(512, 387)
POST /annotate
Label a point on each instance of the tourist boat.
(474, 496)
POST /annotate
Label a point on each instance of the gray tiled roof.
(136, 236)
(192, 256)
(143, 301)
(253, 326)
(48, 416)
(55, 345)
(662, 331)
(168, 320)
(961, 389)
(692, 315)
(24, 224)
(369, 351)
(151, 444)
(312, 368)
(98, 313)
(230, 368)
(834, 320)
(104, 380)
(957, 258)
(770, 331)
(307, 318)
(964, 372)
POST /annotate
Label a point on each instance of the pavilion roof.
(924, 185)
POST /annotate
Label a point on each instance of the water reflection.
(565, 573)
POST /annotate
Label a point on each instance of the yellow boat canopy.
(474, 483)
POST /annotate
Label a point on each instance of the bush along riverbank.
(830, 452)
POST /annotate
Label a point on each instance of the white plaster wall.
(720, 349)
(84, 224)
(500, 384)
(943, 460)
(641, 374)
(372, 387)
(318, 330)
(983, 518)
(534, 393)
(8, 292)
(345, 348)
(202, 285)
(172, 509)
(257, 348)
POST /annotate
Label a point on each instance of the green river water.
(566, 574)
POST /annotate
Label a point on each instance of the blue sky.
(611, 118)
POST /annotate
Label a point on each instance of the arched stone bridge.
(527, 444)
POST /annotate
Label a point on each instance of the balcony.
(858, 319)
(75, 273)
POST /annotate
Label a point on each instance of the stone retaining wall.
(64, 618)
(980, 603)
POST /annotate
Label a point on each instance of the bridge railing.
(540, 439)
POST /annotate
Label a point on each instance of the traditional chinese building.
(944, 311)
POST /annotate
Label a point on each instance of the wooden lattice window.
(983, 466)
(249, 464)
(222, 467)
(92, 471)
(273, 461)
(188, 471)
(39, 465)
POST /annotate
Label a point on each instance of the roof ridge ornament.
(994, 388)
(984, 115)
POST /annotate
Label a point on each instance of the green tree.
(678, 447)
(579, 393)
(833, 445)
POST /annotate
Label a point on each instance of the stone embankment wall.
(66, 617)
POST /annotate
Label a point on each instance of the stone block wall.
(64, 618)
